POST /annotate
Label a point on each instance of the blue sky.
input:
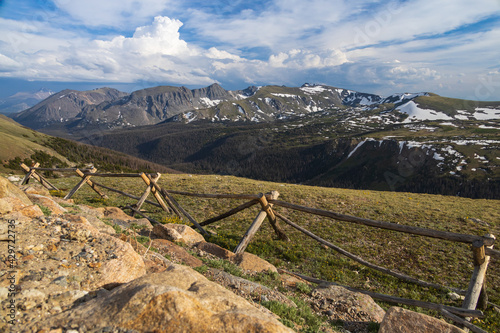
(450, 47)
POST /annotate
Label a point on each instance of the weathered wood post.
(257, 222)
(85, 178)
(151, 189)
(481, 261)
(155, 189)
(91, 183)
(267, 207)
(31, 172)
(175, 205)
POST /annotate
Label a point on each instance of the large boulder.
(252, 263)
(113, 213)
(178, 233)
(341, 304)
(11, 197)
(176, 253)
(127, 266)
(398, 320)
(176, 300)
(215, 250)
(48, 202)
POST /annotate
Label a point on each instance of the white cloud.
(305, 59)
(7, 64)
(161, 37)
(214, 53)
(279, 41)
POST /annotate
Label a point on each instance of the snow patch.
(486, 114)
(416, 113)
(313, 89)
(284, 95)
(209, 102)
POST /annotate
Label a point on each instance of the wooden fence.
(482, 246)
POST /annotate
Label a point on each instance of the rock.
(92, 220)
(176, 300)
(61, 281)
(346, 305)
(127, 266)
(88, 210)
(32, 211)
(290, 281)
(9, 190)
(4, 231)
(10, 204)
(141, 223)
(35, 189)
(245, 287)
(178, 233)
(251, 262)
(53, 206)
(4, 292)
(114, 213)
(398, 320)
(455, 297)
(216, 250)
(176, 253)
(11, 198)
(133, 223)
(13, 179)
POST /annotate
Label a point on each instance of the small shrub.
(201, 269)
(303, 288)
(46, 211)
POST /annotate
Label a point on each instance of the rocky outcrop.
(9, 190)
(47, 202)
(176, 300)
(398, 320)
(350, 307)
(175, 253)
(178, 233)
(251, 262)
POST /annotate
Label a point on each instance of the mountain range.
(23, 100)
(314, 134)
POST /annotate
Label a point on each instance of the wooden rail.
(463, 238)
(482, 245)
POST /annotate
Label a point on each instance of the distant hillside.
(64, 106)
(22, 101)
(20, 144)
(453, 158)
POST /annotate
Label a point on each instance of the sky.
(449, 47)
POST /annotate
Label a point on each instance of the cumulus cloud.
(156, 52)
(340, 42)
(305, 59)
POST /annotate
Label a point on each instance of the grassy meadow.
(442, 262)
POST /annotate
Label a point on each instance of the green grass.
(433, 260)
(45, 210)
(296, 317)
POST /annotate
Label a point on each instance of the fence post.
(257, 222)
(148, 190)
(91, 184)
(31, 172)
(85, 178)
(267, 207)
(481, 261)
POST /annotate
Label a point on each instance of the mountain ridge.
(71, 111)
